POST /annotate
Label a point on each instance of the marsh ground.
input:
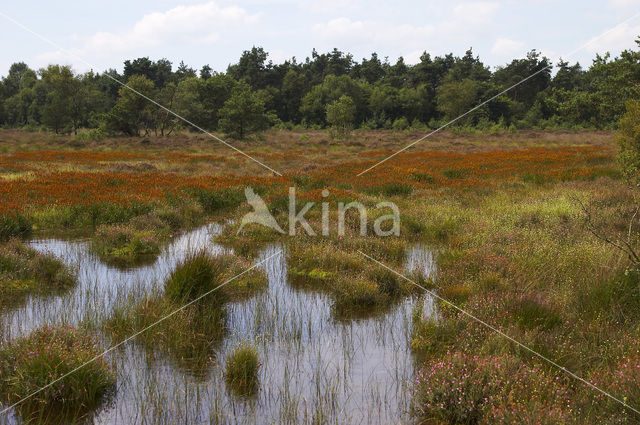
(502, 216)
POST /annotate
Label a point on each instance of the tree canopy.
(255, 92)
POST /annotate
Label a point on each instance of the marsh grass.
(32, 362)
(521, 259)
(196, 275)
(241, 370)
(142, 237)
(189, 334)
(14, 225)
(127, 246)
(336, 268)
(23, 271)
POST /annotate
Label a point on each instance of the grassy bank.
(24, 271)
(521, 259)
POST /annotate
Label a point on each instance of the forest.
(326, 90)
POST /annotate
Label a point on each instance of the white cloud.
(199, 23)
(505, 47)
(620, 38)
(369, 32)
(466, 20)
(475, 13)
(622, 4)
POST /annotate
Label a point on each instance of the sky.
(100, 35)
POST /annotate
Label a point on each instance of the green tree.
(384, 104)
(187, 100)
(341, 114)
(58, 81)
(132, 112)
(243, 113)
(214, 92)
(315, 102)
(455, 98)
(293, 89)
(251, 67)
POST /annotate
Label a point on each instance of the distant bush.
(400, 124)
(94, 134)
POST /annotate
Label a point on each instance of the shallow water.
(315, 369)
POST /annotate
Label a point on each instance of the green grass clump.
(30, 363)
(24, 270)
(213, 201)
(124, 246)
(531, 313)
(188, 335)
(198, 274)
(357, 288)
(241, 371)
(391, 189)
(141, 238)
(423, 177)
(14, 225)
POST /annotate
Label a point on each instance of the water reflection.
(315, 369)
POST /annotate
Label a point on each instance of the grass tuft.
(241, 371)
(198, 274)
(30, 363)
(24, 270)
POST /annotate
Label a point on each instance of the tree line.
(326, 90)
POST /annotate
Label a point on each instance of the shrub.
(30, 363)
(400, 124)
(464, 389)
(629, 142)
(241, 371)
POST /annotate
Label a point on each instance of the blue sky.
(104, 34)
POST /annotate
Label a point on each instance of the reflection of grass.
(24, 270)
(241, 372)
(30, 363)
(190, 334)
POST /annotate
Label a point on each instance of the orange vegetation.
(46, 185)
